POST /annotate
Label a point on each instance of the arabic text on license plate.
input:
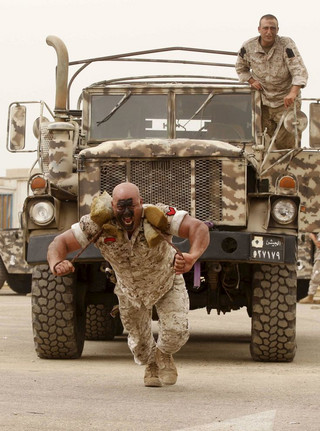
(268, 249)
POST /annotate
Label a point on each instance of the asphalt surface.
(219, 386)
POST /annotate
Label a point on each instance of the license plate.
(267, 248)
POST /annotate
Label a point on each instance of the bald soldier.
(273, 65)
(147, 275)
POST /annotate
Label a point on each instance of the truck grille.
(191, 185)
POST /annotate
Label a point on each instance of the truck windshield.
(138, 116)
(225, 117)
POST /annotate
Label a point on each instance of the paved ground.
(219, 386)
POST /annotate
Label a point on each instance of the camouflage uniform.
(315, 275)
(145, 278)
(276, 70)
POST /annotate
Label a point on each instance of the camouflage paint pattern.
(61, 160)
(89, 186)
(305, 167)
(148, 148)
(11, 251)
(234, 188)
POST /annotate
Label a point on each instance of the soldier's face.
(268, 30)
(128, 213)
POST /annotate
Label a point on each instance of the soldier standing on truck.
(146, 276)
(272, 64)
(315, 276)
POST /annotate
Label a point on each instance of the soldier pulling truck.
(197, 142)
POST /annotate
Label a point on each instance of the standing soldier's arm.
(243, 70)
(297, 70)
(291, 96)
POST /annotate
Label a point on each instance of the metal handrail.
(132, 56)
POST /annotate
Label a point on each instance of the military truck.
(193, 141)
(13, 268)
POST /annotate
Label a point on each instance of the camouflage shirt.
(276, 70)
(144, 274)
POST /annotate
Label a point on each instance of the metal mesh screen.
(208, 185)
(46, 136)
(112, 174)
(166, 181)
(170, 181)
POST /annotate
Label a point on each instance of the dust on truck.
(196, 143)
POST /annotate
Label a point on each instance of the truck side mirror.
(314, 126)
(17, 127)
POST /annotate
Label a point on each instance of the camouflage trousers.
(315, 276)
(173, 332)
(270, 120)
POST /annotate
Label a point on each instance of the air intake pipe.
(62, 132)
(61, 73)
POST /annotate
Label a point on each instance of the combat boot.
(307, 300)
(167, 370)
(151, 375)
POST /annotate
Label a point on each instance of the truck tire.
(3, 273)
(58, 315)
(100, 325)
(273, 329)
(20, 283)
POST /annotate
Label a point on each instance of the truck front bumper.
(225, 246)
(246, 247)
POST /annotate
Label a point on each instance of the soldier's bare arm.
(198, 235)
(60, 247)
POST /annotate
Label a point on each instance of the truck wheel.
(100, 325)
(58, 315)
(3, 273)
(273, 330)
(20, 283)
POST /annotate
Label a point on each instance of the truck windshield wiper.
(117, 106)
(205, 103)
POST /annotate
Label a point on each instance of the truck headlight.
(284, 211)
(42, 213)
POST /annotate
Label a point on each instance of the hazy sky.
(101, 27)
